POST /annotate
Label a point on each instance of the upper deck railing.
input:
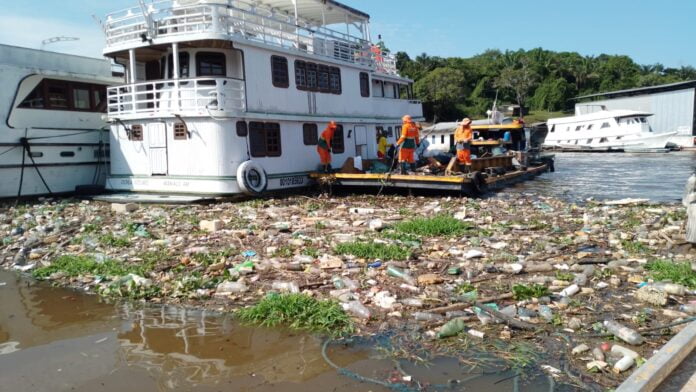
(178, 18)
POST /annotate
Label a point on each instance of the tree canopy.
(452, 88)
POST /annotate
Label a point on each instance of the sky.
(649, 31)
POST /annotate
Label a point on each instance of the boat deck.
(466, 184)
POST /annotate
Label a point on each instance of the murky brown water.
(54, 339)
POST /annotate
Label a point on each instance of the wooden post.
(689, 201)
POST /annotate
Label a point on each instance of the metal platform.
(465, 184)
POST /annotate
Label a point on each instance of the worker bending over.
(381, 145)
(463, 137)
(410, 138)
(324, 146)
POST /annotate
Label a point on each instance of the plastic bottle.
(412, 302)
(350, 284)
(671, 288)
(623, 351)
(338, 282)
(624, 333)
(286, 287)
(399, 273)
(423, 316)
(232, 287)
(570, 291)
(357, 309)
(624, 364)
(546, 313)
(510, 310)
(452, 328)
(598, 354)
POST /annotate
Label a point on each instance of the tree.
(441, 89)
(520, 80)
(553, 95)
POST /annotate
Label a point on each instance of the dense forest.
(539, 79)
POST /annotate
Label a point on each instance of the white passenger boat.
(226, 96)
(52, 134)
(606, 130)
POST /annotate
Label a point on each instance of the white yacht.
(52, 134)
(230, 96)
(606, 130)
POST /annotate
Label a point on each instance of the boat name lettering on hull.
(292, 181)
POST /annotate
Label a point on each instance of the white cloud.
(30, 31)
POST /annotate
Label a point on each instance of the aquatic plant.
(373, 250)
(300, 312)
(73, 266)
(438, 226)
(522, 292)
(666, 270)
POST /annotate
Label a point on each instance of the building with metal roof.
(673, 107)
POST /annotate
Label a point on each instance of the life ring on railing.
(251, 178)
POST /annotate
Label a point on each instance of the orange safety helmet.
(407, 119)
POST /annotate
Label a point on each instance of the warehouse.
(673, 106)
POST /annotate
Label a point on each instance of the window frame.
(310, 134)
(184, 65)
(301, 75)
(259, 135)
(323, 78)
(364, 84)
(136, 133)
(180, 131)
(242, 129)
(280, 74)
(335, 76)
(202, 56)
(338, 143)
(40, 91)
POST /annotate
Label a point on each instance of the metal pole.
(175, 73)
(133, 77)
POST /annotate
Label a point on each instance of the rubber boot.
(403, 168)
(328, 169)
(413, 167)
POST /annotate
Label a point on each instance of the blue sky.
(647, 30)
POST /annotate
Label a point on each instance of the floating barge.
(472, 184)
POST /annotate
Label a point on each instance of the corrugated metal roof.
(643, 90)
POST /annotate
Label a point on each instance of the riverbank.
(413, 263)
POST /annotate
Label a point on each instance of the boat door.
(361, 141)
(157, 140)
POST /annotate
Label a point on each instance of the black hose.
(27, 148)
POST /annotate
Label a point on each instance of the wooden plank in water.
(649, 376)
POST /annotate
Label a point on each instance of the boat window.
(279, 72)
(579, 127)
(390, 131)
(57, 92)
(335, 80)
(180, 131)
(589, 127)
(67, 154)
(136, 133)
(311, 76)
(264, 139)
(323, 78)
(364, 84)
(619, 137)
(242, 130)
(300, 75)
(604, 140)
(643, 120)
(589, 141)
(35, 99)
(403, 91)
(211, 64)
(605, 125)
(576, 142)
(567, 129)
(337, 144)
(442, 139)
(432, 139)
(63, 95)
(310, 134)
(377, 88)
(553, 129)
(36, 154)
(184, 67)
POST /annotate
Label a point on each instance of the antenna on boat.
(53, 40)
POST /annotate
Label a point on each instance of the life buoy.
(251, 178)
(478, 182)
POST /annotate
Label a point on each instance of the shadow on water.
(54, 339)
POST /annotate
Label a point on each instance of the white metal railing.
(172, 18)
(194, 96)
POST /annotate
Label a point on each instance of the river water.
(610, 176)
(54, 339)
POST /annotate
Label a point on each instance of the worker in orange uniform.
(324, 146)
(410, 138)
(463, 137)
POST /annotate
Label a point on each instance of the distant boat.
(606, 130)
